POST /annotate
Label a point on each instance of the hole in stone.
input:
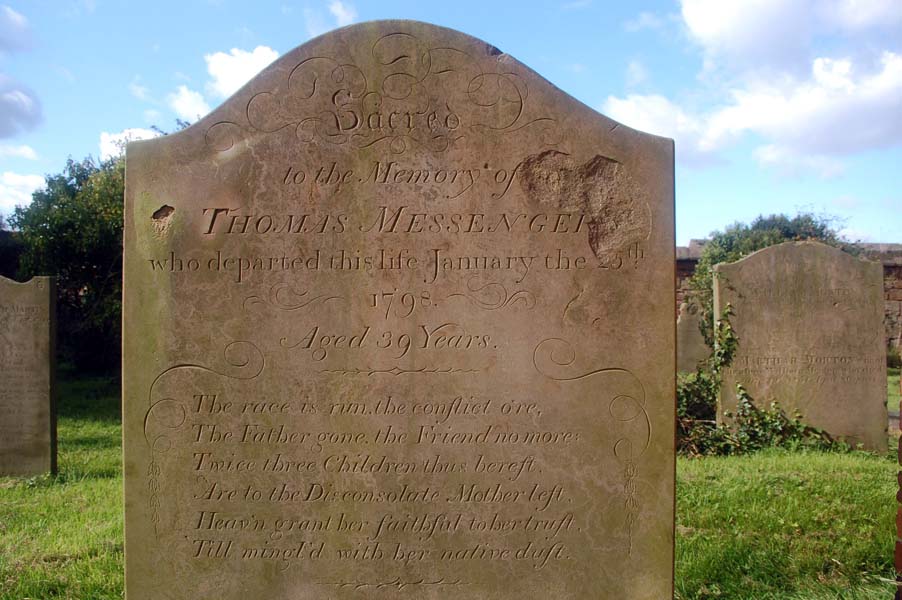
(162, 213)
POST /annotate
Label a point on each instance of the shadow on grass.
(96, 398)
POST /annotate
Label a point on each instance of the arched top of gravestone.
(38, 281)
(392, 87)
(801, 254)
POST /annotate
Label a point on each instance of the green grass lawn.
(799, 526)
(892, 389)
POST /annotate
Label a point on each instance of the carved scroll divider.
(552, 357)
(164, 416)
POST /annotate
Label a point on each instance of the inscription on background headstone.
(27, 418)
(399, 324)
(691, 346)
(809, 318)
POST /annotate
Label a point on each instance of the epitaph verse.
(398, 324)
(27, 417)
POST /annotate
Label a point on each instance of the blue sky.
(775, 106)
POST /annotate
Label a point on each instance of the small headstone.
(809, 318)
(691, 346)
(27, 361)
(398, 324)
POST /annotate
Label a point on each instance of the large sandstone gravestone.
(27, 415)
(399, 324)
(691, 346)
(809, 319)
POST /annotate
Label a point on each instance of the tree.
(739, 240)
(73, 229)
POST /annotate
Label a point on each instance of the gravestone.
(691, 346)
(27, 415)
(398, 323)
(809, 319)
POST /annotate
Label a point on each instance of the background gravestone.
(809, 319)
(398, 323)
(27, 361)
(691, 346)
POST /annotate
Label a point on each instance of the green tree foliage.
(73, 229)
(740, 240)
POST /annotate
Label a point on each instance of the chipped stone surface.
(407, 333)
(809, 319)
(691, 346)
(27, 417)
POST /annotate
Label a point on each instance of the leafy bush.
(893, 359)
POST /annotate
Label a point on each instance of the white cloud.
(644, 20)
(188, 104)
(16, 190)
(857, 15)
(750, 33)
(777, 35)
(314, 23)
(139, 91)
(636, 73)
(788, 163)
(231, 71)
(837, 110)
(847, 202)
(658, 115)
(18, 152)
(856, 235)
(113, 144)
(344, 14)
(15, 33)
(20, 109)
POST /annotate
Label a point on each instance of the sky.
(775, 106)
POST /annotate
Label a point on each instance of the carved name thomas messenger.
(398, 322)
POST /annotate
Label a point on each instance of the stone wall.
(888, 254)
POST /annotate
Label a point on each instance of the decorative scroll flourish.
(428, 97)
(493, 295)
(553, 355)
(283, 297)
(245, 361)
(396, 371)
(397, 583)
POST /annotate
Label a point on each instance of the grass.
(775, 525)
(61, 537)
(892, 389)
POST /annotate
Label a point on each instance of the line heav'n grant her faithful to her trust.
(399, 322)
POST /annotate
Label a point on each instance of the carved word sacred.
(398, 322)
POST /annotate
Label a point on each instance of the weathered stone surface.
(27, 417)
(691, 346)
(399, 323)
(809, 319)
